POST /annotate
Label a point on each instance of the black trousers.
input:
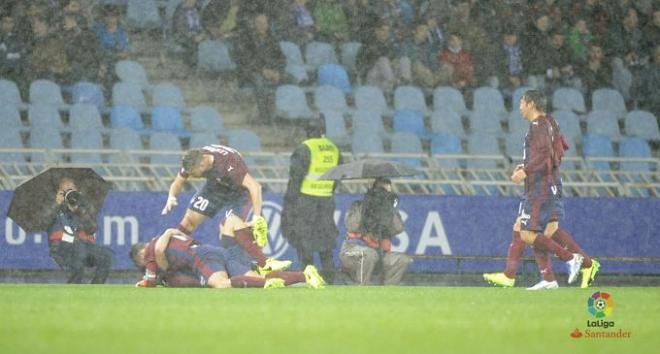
(306, 257)
(74, 257)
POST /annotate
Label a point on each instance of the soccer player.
(541, 207)
(228, 185)
(178, 260)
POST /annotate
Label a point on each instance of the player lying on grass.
(177, 260)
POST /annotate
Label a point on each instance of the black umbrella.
(369, 168)
(33, 201)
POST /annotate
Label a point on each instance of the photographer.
(370, 225)
(71, 238)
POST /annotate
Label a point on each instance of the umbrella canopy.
(369, 168)
(33, 200)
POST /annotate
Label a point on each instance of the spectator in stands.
(82, 48)
(302, 28)
(308, 210)
(261, 64)
(597, 13)
(13, 49)
(594, 72)
(378, 61)
(48, 58)
(220, 19)
(549, 8)
(435, 34)
(400, 14)
(561, 72)
(71, 238)
(535, 62)
(188, 31)
(112, 36)
(461, 61)
(510, 62)
(423, 59)
(75, 9)
(651, 32)
(371, 223)
(649, 88)
(625, 39)
(358, 13)
(579, 38)
(331, 22)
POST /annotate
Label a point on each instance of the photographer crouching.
(71, 236)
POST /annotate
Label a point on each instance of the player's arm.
(161, 246)
(541, 149)
(254, 188)
(175, 188)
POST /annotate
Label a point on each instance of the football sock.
(545, 243)
(288, 277)
(246, 240)
(246, 281)
(565, 239)
(544, 263)
(516, 249)
(184, 230)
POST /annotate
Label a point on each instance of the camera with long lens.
(72, 198)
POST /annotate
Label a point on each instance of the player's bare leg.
(191, 219)
(219, 280)
(544, 243)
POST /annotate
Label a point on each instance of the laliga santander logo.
(277, 245)
(600, 304)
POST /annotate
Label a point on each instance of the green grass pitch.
(119, 319)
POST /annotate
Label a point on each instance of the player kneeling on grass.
(177, 260)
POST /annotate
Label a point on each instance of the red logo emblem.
(576, 334)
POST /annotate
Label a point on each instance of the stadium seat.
(88, 93)
(168, 94)
(635, 148)
(244, 140)
(410, 97)
(447, 144)
(295, 65)
(407, 143)
(367, 143)
(482, 144)
(335, 127)
(642, 124)
(84, 116)
(517, 124)
(206, 118)
(607, 99)
(201, 139)
(329, 98)
(124, 139)
(449, 97)
(166, 141)
(349, 52)
(489, 99)
(515, 97)
(143, 14)
(291, 103)
(46, 92)
(597, 145)
(334, 75)
(371, 98)
(10, 138)
(87, 139)
(569, 124)
(46, 137)
(128, 94)
(446, 120)
(318, 53)
(603, 122)
(133, 72)
(214, 56)
(10, 117)
(410, 120)
(487, 122)
(366, 122)
(568, 99)
(43, 115)
(126, 117)
(168, 119)
(9, 93)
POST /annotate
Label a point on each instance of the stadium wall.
(435, 225)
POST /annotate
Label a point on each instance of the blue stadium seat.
(447, 144)
(133, 72)
(244, 140)
(126, 117)
(603, 122)
(201, 139)
(367, 143)
(214, 56)
(489, 99)
(349, 52)
(168, 94)
(410, 97)
(597, 145)
(295, 65)
(319, 53)
(143, 14)
(412, 121)
(329, 98)
(568, 99)
(449, 97)
(407, 143)
(366, 121)
(87, 139)
(515, 97)
(10, 138)
(125, 139)
(642, 124)
(514, 145)
(291, 103)
(46, 137)
(168, 119)
(166, 141)
(569, 124)
(371, 98)
(206, 118)
(43, 115)
(128, 94)
(84, 116)
(88, 93)
(10, 117)
(636, 148)
(487, 122)
(482, 144)
(335, 127)
(334, 75)
(607, 99)
(446, 120)
(9, 94)
(46, 92)
(517, 124)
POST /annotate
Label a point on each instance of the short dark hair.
(381, 182)
(536, 97)
(135, 249)
(191, 159)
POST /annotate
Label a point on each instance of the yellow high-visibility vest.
(324, 155)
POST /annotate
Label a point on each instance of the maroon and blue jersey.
(543, 180)
(228, 169)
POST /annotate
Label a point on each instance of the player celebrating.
(541, 207)
(227, 182)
